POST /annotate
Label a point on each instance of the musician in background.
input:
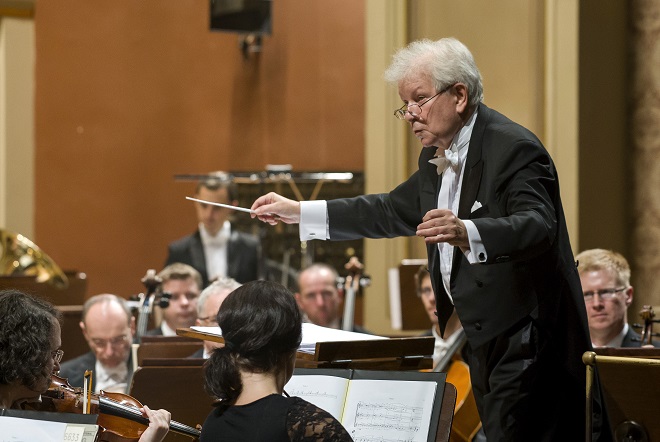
(183, 283)
(30, 353)
(453, 328)
(208, 304)
(319, 298)
(605, 278)
(215, 249)
(108, 328)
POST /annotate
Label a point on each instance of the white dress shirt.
(111, 379)
(215, 250)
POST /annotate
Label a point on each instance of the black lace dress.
(273, 418)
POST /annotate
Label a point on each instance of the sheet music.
(389, 410)
(14, 429)
(311, 334)
(326, 392)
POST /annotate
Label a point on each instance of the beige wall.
(131, 93)
(17, 56)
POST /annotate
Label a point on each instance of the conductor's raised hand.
(441, 225)
(272, 208)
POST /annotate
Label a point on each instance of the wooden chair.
(176, 387)
(166, 347)
(631, 387)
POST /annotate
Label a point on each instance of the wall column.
(645, 130)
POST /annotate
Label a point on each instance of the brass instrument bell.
(20, 256)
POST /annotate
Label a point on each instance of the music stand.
(177, 385)
(386, 354)
(631, 387)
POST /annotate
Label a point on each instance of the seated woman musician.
(30, 341)
(262, 328)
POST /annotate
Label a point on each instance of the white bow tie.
(444, 158)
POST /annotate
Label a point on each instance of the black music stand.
(386, 354)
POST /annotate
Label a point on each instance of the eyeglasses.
(57, 355)
(114, 342)
(415, 109)
(603, 294)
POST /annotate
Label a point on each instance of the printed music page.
(326, 392)
(16, 429)
(388, 410)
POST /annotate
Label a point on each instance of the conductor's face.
(433, 115)
(213, 217)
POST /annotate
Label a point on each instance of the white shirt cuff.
(313, 220)
(476, 254)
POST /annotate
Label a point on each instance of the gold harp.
(20, 256)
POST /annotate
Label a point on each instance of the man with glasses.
(605, 278)
(208, 304)
(108, 328)
(486, 200)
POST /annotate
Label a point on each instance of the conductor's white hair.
(446, 61)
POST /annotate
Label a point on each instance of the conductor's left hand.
(441, 225)
(272, 208)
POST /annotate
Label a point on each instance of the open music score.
(373, 406)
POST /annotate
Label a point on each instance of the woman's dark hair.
(262, 326)
(26, 328)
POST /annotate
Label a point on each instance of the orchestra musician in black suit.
(486, 200)
(216, 249)
(181, 284)
(320, 298)
(605, 278)
(208, 304)
(108, 328)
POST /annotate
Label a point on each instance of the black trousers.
(523, 390)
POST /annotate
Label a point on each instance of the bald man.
(108, 328)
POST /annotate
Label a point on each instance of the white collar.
(220, 239)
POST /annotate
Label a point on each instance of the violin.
(648, 315)
(147, 300)
(119, 414)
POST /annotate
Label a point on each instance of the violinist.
(605, 279)
(426, 295)
(30, 353)
(262, 328)
(108, 328)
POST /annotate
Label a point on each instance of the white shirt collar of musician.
(111, 378)
(166, 329)
(219, 240)
(618, 340)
